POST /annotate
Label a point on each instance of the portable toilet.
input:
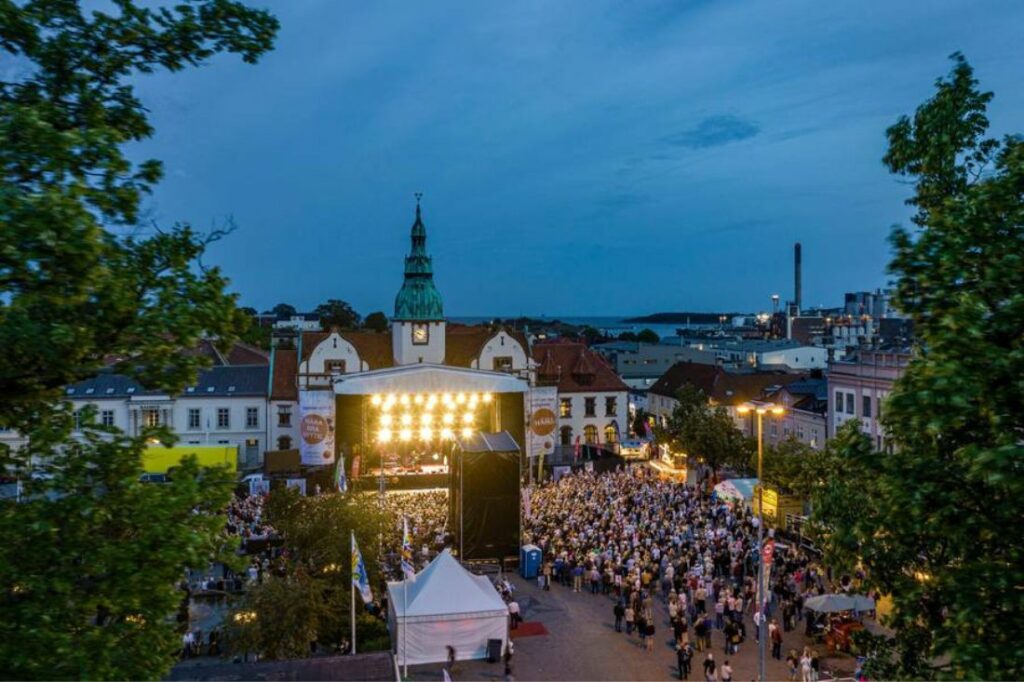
(529, 561)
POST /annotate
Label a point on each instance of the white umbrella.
(863, 603)
(830, 603)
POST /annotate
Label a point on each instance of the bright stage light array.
(411, 410)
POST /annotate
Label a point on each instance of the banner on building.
(543, 420)
(316, 427)
(297, 483)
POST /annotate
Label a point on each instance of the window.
(151, 417)
(252, 417)
(849, 404)
(284, 416)
(503, 363)
(194, 418)
(78, 420)
(610, 434)
(334, 366)
(284, 443)
(590, 407)
(565, 407)
(223, 418)
(775, 430)
(107, 417)
(590, 434)
(565, 435)
(867, 405)
(609, 407)
(839, 401)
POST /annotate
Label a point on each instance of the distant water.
(609, 325)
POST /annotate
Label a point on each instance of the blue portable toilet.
(529, 561)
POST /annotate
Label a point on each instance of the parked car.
(154, 478)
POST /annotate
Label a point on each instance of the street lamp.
(760, 411)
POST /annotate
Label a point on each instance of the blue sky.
(577, 158)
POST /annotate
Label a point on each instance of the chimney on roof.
(797, 266)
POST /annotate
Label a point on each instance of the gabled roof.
(566, 357)
(718, 384)
(463, 343)
(444, 587)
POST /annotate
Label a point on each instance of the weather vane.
(418, 195)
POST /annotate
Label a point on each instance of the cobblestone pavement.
(583, 645)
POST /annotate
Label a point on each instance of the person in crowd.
(619, 612)
(684, 655)
(710, 668)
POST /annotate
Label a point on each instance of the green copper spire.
(418, 300)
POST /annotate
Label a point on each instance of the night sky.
(576, 158)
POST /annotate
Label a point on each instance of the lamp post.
(762, 591)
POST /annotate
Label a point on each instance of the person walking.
(775, 637)
(514, 615)
(619, 612)
(650, 634)
(709, 668)
(630, 619)
(726, 671)
(547, 576)
(805, 666)
(684, 655)
(793, 664)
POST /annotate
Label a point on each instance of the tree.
(944, 537)
(284, 310)
(788, 465)
(627, 336)
(308, 599)
(648, 336)
(93, 552)
(705, 432)
(377, 322)
(591, 335)
(337, 314)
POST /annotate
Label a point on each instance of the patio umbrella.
(863, 603)
(830, 603)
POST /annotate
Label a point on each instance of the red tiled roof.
(286, 366)
(720, 386)
(374, 349)
(246, 354)
(564, 358)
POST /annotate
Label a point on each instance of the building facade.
(593, 402)
(857, 387)
(641, 364)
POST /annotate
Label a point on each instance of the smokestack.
(796, 276)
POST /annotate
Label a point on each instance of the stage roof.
(488, 442)
(427, 378)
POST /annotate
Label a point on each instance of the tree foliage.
(337, 314)
(309, 601)
(90, 557)
(705, 432)
(648, 336)
(376, 322)
(942, 533)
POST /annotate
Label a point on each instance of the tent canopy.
(738, 489)
(445, 588)
(833, 603)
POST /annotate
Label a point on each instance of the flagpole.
(352, 601)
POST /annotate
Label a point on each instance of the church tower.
(418, 326)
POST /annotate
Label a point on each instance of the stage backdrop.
(316, 427)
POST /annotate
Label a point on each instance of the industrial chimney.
(796, 277)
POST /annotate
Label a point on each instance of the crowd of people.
(426, 513)
(245, 518)
(638, 537)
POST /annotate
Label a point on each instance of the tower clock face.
(420, 334)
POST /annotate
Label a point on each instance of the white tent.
(444, 605)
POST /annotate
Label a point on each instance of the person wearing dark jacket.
(620, 611)
(684, 654)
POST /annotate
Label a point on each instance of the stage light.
(431, 401)
(384, 435)
(446, 434)
(460, 398)
(448, 418)
(447, 398)
(418, 399)
(405, 434)
(426, 433)
(473, 399)
(404, 399)
(467, 418)
(426, 419)
(376, 400)
(466, 433)
(406, 419)
(436, 456)
(487, 397)
(385, 420)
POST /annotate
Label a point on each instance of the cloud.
(714, 131)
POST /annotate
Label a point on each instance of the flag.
(647, 430)
(340, 482)
(576, 448)
(355, 466)
(445, 677)
(359, 578)
(407, 568)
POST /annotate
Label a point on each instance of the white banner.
(316, 427)
(543, 420)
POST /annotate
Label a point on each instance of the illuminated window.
(590, 434)
(565, 407)
(610, 435)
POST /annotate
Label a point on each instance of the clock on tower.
(421, 334)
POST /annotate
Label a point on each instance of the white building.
(593, 402)
(226, 406)
(765, 353)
